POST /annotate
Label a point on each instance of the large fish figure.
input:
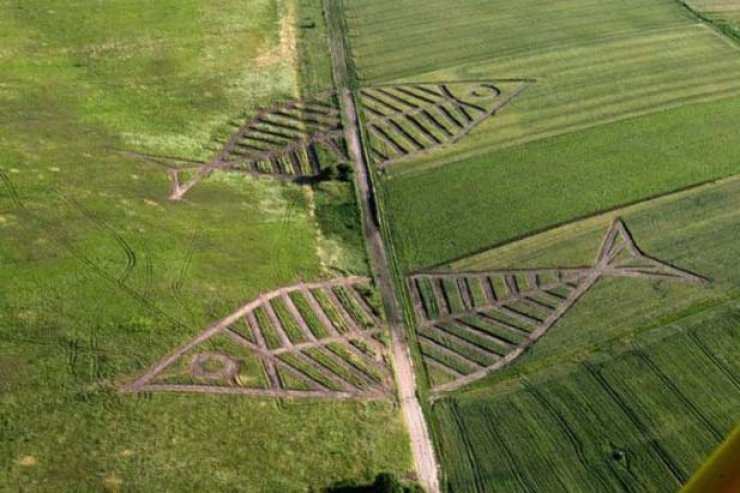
(297, 139)
(472, 324)
(320, 340)
(288, 140)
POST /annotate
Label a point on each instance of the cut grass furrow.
(312, 320)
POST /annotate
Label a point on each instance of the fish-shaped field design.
(406, 119)
(320, 340)
(297, 139)
(289, 140)
(472, 324)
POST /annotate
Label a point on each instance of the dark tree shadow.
(384, 483)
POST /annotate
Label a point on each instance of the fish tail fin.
(619, 255)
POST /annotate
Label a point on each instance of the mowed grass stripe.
(389, 46)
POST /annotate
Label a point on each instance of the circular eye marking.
(485, 91)
(213, 366)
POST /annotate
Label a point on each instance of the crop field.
(610, 82)
(450, 213)
(641, 421)
(562, 352)
(634, 385)
(104, 275)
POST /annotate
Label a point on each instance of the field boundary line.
(709, 23)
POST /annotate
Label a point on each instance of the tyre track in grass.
(645, 358)
(128, 251)
(59, 236)
(569, 433)
(469, 454)
(721, 366)
(675, 471)
(509, 457)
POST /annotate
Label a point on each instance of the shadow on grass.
(384, 483)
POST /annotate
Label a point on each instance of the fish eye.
(485, 91)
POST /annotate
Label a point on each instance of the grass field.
(104, 275)
(633, 388)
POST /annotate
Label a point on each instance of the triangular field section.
(321, 340)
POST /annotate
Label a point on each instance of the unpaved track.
(421, 444)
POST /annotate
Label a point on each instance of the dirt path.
(421, 444)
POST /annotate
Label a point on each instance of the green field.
(628, 94)
(630, 111)
(631, 102)
(636, 384)
(104, 275)
(450, 212)
(610, 426)
(593, 61)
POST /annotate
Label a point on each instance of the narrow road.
(421, 444)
